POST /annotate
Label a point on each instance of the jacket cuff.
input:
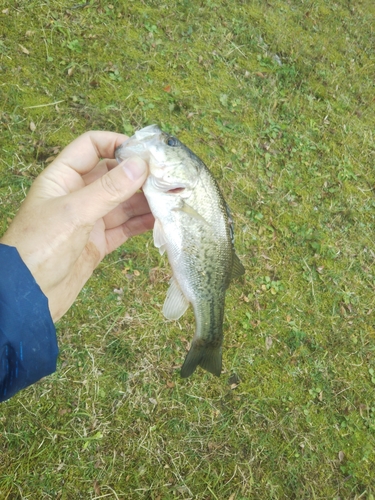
(28, 343)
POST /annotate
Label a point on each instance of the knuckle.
(111, 187)
(129, 209)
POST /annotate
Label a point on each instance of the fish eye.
(172, 141)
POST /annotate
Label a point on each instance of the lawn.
(277, 97)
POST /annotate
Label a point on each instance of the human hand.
(78, 210)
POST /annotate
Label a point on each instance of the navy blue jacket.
(28, 344)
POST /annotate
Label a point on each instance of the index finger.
(83, 154)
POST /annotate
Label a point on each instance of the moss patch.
(277, 99)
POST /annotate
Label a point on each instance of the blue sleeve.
(28, 344)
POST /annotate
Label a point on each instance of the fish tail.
(206, 356)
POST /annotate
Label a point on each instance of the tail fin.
(206, 356)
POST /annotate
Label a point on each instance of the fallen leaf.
(153, 274)
(24, 50)
(97, 488)
(362, 409)
(224, 99)
(50, 158)
(182, 489)
(170, 385)
(153, 401)
(341, 456)
(211, 446)
(167, 88)
(5, 11)
(234, 379)
(32, 126)
(70, 71)
(136, 273)
(268, 343)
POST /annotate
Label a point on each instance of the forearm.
(78, 210)
(28, 345)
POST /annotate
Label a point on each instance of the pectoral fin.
(159, 237)
(187, 209)
(175, 302)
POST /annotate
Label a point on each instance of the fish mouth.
(139, 144)
(176, 190)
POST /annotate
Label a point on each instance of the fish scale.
(194, 226)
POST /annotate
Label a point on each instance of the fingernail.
(134, 168)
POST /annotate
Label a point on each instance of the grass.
(277, 99)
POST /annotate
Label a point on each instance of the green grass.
(292, 146)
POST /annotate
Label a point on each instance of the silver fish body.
(193, 224)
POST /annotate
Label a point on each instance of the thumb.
(103, 195)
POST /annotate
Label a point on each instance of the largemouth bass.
(193, 224)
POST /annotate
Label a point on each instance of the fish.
(193, 224)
